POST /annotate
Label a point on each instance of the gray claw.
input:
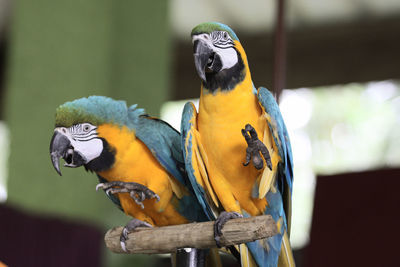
(130, 227)
(137, 199)
(108, 191)
(138, 192)
(254, 148)
(220, 222)
(100, 185)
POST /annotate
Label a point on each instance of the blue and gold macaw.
(217, 148)
(138, 160)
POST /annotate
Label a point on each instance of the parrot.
(138, 160)
(235, 124)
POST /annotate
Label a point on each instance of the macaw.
(137, 158)
(225, 134)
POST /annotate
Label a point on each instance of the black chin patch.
(76, 159)
(216, 64)
(103, 162)
(226, 79)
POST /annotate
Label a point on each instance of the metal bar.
(193, 258)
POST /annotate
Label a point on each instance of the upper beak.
(58, 149)
(202, 53)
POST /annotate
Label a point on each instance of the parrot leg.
(130, 227)
(220, 222)
(137, 191)
(254, 147)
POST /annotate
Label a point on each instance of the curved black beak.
(61, 147)
(58, 149)
(203, 56)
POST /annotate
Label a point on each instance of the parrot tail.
(246, 259)
(286, 256)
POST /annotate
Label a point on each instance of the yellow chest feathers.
(133, 160)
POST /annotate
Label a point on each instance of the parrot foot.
(220, 222)
(129, 228)
(254, 147)
(137, 191)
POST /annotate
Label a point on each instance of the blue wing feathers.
(277, 206)
(162, 140)
(165, 144)
(188, 113)
(270, 106)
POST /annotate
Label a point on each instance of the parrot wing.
(162, 140)
(280, 137)
(276, 185)
(195, 162)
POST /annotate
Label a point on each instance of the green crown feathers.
(96, 110)
(209, 27)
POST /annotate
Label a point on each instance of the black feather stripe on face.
(221, 39)
(103, 162)
(226, 79)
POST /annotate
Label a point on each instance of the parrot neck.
(226, 79)
(103, 162)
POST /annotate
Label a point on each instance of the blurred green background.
(63, 50)
(66, 50)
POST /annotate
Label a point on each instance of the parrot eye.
(86, 127)
(225, 35)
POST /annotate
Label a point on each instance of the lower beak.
(58, 149)
(202, 53)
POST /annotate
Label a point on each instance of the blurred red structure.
(355, 220)
(32, 240)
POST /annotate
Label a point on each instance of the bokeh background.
(342, 109)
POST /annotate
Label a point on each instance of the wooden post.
(168, 239)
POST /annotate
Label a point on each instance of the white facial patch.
(226, 52)
(90, 149)
(84, 139)
(228, 57)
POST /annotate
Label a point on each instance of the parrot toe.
(138, 192)
(220, 222)
(130, 227)
(255, 147)
(100, 185)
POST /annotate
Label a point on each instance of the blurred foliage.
(336, 129)
(355, 127)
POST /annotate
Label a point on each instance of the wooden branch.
(168, 239)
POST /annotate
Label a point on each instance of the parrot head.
(77, 145)
(219, 58)
(76, 138)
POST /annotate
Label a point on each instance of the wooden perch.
(168, 239)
